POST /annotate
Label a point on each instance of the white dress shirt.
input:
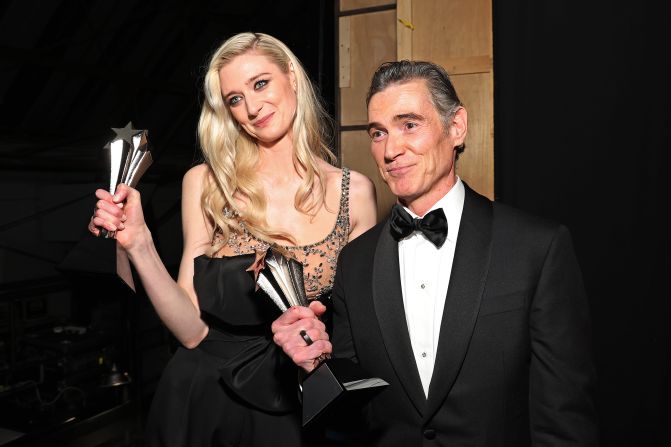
(425, 274)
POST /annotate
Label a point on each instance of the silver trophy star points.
(126, 133)
(129, 158)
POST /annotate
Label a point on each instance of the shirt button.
(423, 286)
(429, 433)
(423, 354)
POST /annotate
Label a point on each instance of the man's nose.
(393, 146)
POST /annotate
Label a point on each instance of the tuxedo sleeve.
(341, 338)
(562, 374)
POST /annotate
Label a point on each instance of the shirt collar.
(452, 204)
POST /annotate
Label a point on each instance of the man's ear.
(459, 126)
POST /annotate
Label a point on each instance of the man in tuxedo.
(474, 312)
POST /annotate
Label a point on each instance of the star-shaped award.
(258, 265)
(129, 158)
(126, 133)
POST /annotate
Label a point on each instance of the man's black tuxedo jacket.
(513, 364)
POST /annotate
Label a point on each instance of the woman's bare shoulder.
(327, 168)
(360, 185)
(360, 181)
(198, 172)
(196, 177)
(363, 203)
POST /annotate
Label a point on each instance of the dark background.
(581, 135)
(581, 116)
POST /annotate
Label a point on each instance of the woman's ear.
(292, 76)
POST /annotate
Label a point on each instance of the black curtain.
(581, 136)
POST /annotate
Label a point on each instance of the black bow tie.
(433, 225)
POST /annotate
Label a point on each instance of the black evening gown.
(237, 388)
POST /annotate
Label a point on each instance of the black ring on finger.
(306, 337)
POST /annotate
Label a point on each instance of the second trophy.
(281, 278)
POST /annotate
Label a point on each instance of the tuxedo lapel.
(462, 303)
(388, 301)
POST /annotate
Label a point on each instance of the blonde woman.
(267, 180)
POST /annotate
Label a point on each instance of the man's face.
(413, 152)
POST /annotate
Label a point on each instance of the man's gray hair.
(442, 93)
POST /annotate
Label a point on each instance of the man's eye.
(260, 84)
(233, 100)
(376, 135)
(410, 125)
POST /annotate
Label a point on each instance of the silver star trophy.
(129, 158)
(282, 281)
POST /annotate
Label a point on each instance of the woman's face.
(261, 97)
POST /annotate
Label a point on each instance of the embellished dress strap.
(343, 215)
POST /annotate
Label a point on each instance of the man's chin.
(404, 199)
(403, 193)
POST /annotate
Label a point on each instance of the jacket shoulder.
(508, 221)
(523, 221)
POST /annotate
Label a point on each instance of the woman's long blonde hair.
(232, 154)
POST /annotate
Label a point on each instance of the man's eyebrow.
(399, 117)
(252, 79)
(372, 125)
(408, 116)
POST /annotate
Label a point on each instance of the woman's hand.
(120, 213)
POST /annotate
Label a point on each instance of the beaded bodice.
(318, 259)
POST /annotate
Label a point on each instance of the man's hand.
(296, 328)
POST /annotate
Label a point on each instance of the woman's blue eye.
(233, 100)
(260, 84)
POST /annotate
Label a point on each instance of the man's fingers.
(301, 335)
(315, 334)
(290, 334)
(306, 355)
(295, 338)
(317, 307)
(291, 315)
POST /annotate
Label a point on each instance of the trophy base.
(331, 381)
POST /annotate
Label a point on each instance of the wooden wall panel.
(348, 5)
(476, 164)
(355, 154)
(446, 29)
(404, 30)
(366, 40)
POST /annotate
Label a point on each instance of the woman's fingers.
(93, 229)
(124, 192)
(108, 213)
(103, 194)
(109, 210)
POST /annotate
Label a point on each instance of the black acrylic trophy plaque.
(333, 380)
